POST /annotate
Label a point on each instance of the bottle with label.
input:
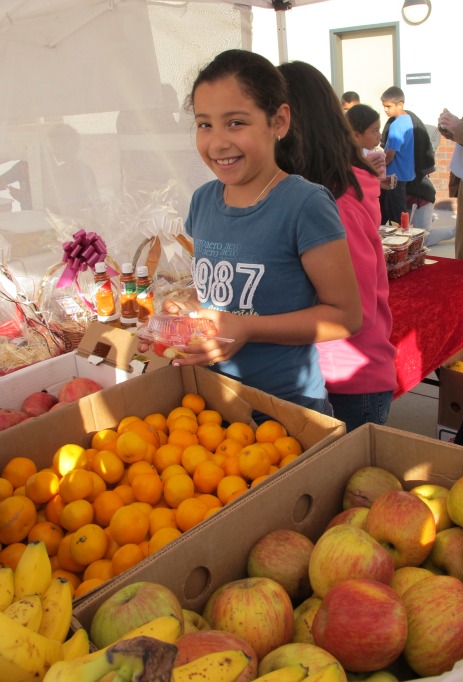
(145, 298)
(104, 296)
(129, 307)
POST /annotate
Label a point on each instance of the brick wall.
(440, 178)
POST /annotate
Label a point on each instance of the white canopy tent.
(92, 127)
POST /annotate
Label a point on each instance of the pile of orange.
(102, 509)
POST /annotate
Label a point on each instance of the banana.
(290, 673)
(332, 672)
(26, 611)
(25, 656)
(33, 571)
(77, 645)
(6, 587)
(219, 666)
(165, 628)
(57, 610)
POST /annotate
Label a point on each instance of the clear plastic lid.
(396, 241)
(179, 330)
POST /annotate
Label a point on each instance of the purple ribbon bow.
(87, 249)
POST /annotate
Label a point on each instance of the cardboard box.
(304, 498)
(445, 433)
(105, 354)
(450, 411)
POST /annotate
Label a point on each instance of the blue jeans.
(359, 409)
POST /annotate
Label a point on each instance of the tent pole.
(282, 41)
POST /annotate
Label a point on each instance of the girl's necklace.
(261, 193)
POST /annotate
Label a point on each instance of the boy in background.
(349, 99)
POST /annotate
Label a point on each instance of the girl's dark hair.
(361, 117)
(257, 76)
(320, 145)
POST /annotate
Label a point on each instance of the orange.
(194, 402)
(288, 446)
(166, 455)
(68, 457)
(65, 559)
(75, 485)
(126, 420)
(254, 461)
(231, 466)
(182, 437)
(161, 517)
(104, 506)
(210, 435)
(178, 488)
(151, 449)
(125, 557)
(129, 524)
(162, 537)
(72, 578)
(101, 568)
(147, 487)
(53, 509)
(88, 544)
(207, 476)
(194, 455)
(259, 479)
(229, 485)
(112, 544)
(144, 430)
(269, 431)
(76, 514)
(229, 446)
(209, 417)
(244, 433)
(272, 452)
(18, 469)
(234, 495)
(54, 563)
(179, 411)
(109, 466)
(190, 512)
(210, 500)
(184, 422)
(141, 467)
(163, 437)
(273, 469)
(11, 554)
(218, 458)
(125, 491)
(104, 439)
(145, 548)
(171, 470)
(287, 460)
(98, 486)
(49, 533)
(158, 420)
(90, 453)
(20, 491)
(87, 585)
(42, 486)
(144, 507)
(211, 512)
(6, 488)
(131, 447)
(17, 516)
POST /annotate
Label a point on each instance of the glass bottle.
(145, 299)
(104, 295)
(129, 307)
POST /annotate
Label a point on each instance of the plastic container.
(399, 246)
(417, 260)
(387, 230)
(105, 302)
(128, 296)
(388, 254)
(399, 269)
(145, 298)
(416, 236)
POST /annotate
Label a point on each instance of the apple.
(447, 552)
(354, 516)
(193, 645)
(303, 619)
(129, 607)
(404, 525)
(283, 555)
(38, 403)
(257, 609)
(406, 576)
(435, 497)
(344, 552)
(455, 502)
(363, 623)
(435, 624)
(366, 484)
(194, 621)
(10, 417)
(299, 653)
(77, 388)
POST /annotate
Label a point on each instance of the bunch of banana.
(6, 587)
(219, 666)
(33, 571)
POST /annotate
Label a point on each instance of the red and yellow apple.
(368, 483)
(435, 496)
(363, 623)
(354, 516)
(404, 525)
(406, 576)
(344, 552)
(455, 502)
(447, 552)
(303, 619)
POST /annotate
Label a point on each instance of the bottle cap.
(127, 268)
(100, 266)
(142, 271)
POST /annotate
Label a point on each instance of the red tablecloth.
(427, 311)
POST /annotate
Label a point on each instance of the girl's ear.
(282, 120)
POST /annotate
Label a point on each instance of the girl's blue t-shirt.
(247, 261)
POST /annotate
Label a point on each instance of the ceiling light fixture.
(416, 12)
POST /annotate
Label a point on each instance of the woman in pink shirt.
(359, 371)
